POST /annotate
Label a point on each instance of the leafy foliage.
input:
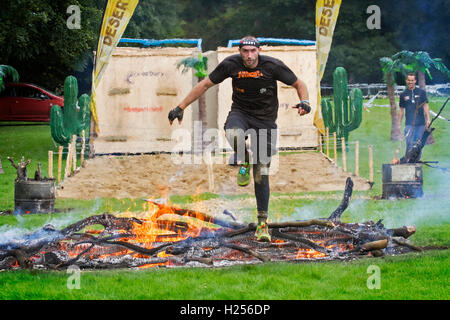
(200, 64)
(419, 61)
(7, 72)
(35, 40)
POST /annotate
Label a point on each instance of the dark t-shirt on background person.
(409, 100)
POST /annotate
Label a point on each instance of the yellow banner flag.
(116, 17)
(327, 12)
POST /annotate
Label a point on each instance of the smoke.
(432, 209)
(21, 234)
(319, 208)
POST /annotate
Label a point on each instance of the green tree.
(7, 73)
(155, 19)
(36, 40)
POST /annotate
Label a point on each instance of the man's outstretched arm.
(196, 92)
(302, 92)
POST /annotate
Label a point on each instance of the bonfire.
(169, 236)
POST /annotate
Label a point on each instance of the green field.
(412, 276)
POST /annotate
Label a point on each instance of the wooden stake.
(208, 160)
(328, 142)
(370, 163)
(320, 143)
(335, 147)
(344, 156)
(357, 158)
(60, 162)
(74, 152)
(68, 161)
(50, 164)
(83, 146)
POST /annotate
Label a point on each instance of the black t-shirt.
(409, 99)
(254, 90)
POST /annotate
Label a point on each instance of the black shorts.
(263, 134)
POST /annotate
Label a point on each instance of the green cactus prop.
(73, 118)
(346, 115)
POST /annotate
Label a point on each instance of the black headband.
(249, 42)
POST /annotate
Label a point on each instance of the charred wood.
(21, 168)
(309, 244)
(403, 242)
(404, 232)
(253, 253)
(336, 215)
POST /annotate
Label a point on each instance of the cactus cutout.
(73, 118)
(346, 115)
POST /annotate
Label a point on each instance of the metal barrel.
(33, 196)
(402, 181)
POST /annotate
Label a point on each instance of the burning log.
(161, 239)
(404, 232)
(375, 245)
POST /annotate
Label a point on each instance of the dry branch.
(309, 244)
(253, 253)
(336, 215)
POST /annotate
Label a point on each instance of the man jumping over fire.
(254, 109)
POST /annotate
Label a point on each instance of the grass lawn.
(411, 276)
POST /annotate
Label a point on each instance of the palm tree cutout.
(7, 73)
(389, 68)
(420, 62)
(200, 65)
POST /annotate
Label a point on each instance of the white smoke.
(21, 232)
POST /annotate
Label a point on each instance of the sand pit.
(152, 176)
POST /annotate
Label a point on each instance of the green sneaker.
(243, 178)
(262, 233)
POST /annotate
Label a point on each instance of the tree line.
(35, 39)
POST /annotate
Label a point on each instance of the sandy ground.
(154, 176)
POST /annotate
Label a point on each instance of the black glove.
(304, 105)
(176, 113)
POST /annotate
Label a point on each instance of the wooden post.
(335, 147)
(320, 143)
(50, 164)
(68, 161)
(74, 152)
(208, 160)
(83, 146)
(357, 158)
(328, 142)
(60, 162)
(344, 155)
(370, 163)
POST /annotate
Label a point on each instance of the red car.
(27, 102)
